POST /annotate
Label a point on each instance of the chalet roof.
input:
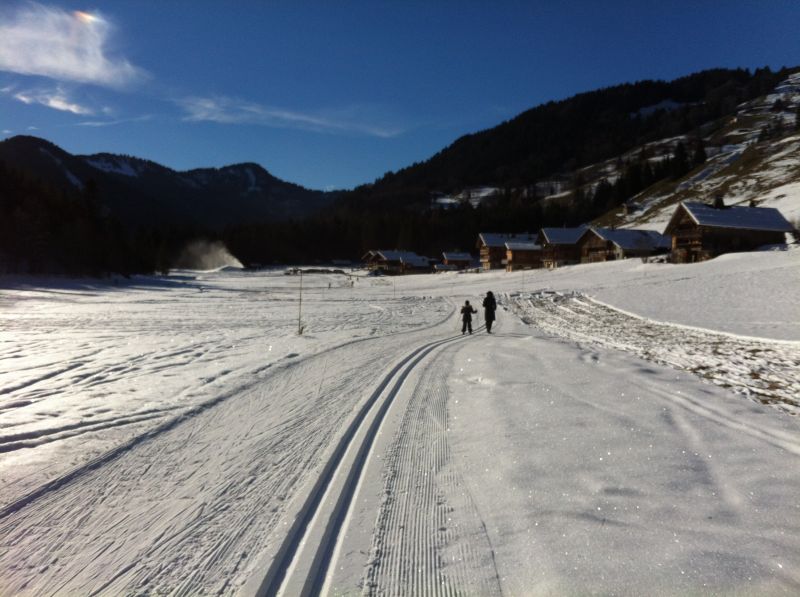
(368, 255)
(522, 246)
(414, 260)
(562, 236)
(499, 240)
(737, 216)
(397, 255)
(450, 256)
(629, 239)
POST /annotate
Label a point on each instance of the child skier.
(466, 317)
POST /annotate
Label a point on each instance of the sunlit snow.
(629, 428)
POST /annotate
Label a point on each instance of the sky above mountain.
(334, 94)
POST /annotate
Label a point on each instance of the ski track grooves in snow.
(429, 538)
(13, 442)
(372, 412)
(23, 501)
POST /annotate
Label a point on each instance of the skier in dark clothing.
(466, 317)
(489, 307)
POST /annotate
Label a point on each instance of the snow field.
(92, 367)
(595, 472)
(383, 453)
(765, 371)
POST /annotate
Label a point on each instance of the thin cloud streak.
(65, 46)
(226, 110)
(55, 99)
(102, 123)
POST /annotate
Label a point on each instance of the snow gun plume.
(207, 255)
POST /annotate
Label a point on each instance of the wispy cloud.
(52, 98)
(226, 110)
(102, 123)
(67, 46)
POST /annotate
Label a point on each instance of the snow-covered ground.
(630, 428)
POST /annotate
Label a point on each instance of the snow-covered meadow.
(176, 434)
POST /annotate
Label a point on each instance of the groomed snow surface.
(627, 428)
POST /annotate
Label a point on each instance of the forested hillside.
(587, 128)
(604, 146)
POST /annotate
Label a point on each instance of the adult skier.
(466, 317)
(489, 307)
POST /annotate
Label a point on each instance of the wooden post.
(300, 308)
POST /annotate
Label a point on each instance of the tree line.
(46, 229)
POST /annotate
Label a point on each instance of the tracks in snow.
(429, 537)
(765, 371)
(192, 506)
(302, 562)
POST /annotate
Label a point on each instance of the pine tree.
(699, 156)
(680, 161)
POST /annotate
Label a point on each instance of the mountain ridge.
(140, 191)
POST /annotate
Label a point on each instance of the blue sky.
(334, 94)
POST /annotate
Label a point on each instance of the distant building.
(492, 247)
(523, 255)
(608, 244)
(560, 246)
(396, 262)
(459, 260)
(700, 231)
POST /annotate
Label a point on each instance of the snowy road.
(381, 452)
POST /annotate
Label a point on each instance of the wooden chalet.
(458, 260)
(396, 262)
(560, 246)
(608, 244)
(523, 255)
(415, 264)
(492, 247)
(700, 231)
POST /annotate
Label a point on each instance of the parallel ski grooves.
(288, 551)
(429, 537)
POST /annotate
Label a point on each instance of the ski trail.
(429, 538)
(303, 561)
(191, 507)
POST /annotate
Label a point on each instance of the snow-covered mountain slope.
(755, 158)
(176, 434)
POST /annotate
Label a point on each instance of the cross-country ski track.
(397, 456)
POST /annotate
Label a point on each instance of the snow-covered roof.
(457, 256)
(522, 246)
(393, 255)
(738, 216)
(414, 260)
(562, 236)
(499, 240)
(632, 239)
